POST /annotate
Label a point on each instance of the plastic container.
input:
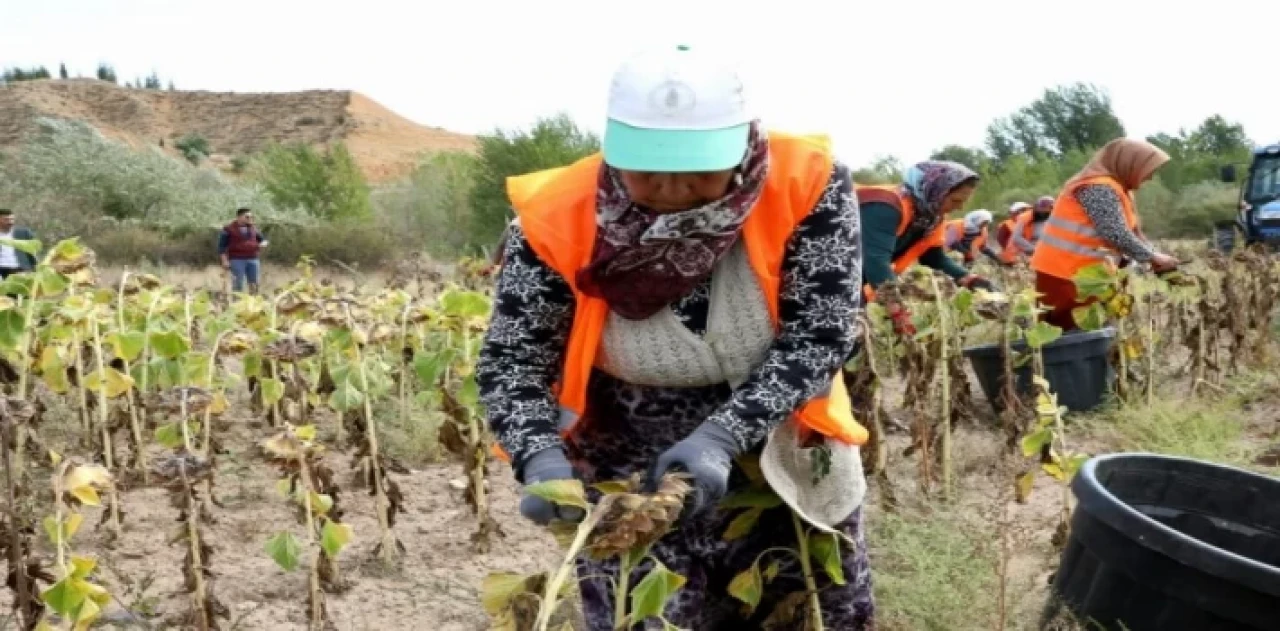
(1170, 544)
(1075, 365)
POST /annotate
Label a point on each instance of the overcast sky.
(884, 78)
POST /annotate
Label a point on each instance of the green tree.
(551, 142)
(1065, 118)
(106, 73)
(152, 82)
(14, 75)
(62, 71)
(884, 170)
(326, 184)
(973, 158)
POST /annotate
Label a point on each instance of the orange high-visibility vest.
(893, 196)
(1031, 231)
(953, 232)
(557, 211)
(1069, 242)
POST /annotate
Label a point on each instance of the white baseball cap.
(676, 110)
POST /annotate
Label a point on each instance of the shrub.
(552, 142)
(429, 210)
(327, 184)
(193, 147)
(70, 165)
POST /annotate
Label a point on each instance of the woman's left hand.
(707, 456)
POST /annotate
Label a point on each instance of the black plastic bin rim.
(1111, 510)
(1067, 339)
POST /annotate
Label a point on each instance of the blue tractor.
(1258, 219)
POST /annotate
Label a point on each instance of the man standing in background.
(238, 245)
(13, 260)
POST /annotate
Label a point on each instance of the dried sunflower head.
(174, 467)
(290, 349)
(237, 343)
(172, 400)
(631, 519)
(293, 303)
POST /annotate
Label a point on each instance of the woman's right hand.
(1161, 262)
(548, 464)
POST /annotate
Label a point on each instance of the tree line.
(104, 72)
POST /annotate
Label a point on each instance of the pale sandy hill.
(385, 144)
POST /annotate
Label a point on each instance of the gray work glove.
(548, 464)
(706, 455)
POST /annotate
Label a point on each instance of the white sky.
(885, 78)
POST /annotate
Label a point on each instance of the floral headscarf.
(645, 260)
(929, 183)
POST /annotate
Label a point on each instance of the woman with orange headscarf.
(1093, 220)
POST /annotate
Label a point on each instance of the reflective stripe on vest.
(557, 213)
(1069, 242)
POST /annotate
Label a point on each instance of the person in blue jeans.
(239, 244)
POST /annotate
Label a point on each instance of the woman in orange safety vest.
(1094, 219)
(1004, 231)
(684, 301)
(968, 236)
(1026, 231)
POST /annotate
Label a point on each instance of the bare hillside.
(385, 144)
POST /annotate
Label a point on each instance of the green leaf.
(1074, 463)
(170, 436)
(64, 597)
(346, 397)
(169, 344)
(195, 368)
(469, 393)
(1042, 334)
(19, 284)
(612, 487)
(748, 586)
(464, 304)
(252, 365)
(429, 366)
(30, 246)
(752, 498)
(284, 549)
(110, 382)
(560, 492)
(1094, 280)
(963, 300)
(650, 595)
(1055, 471)
(49, 282)
(1090, 317)
(1034, 442)
(272, 390)
(825, 549)
(742, 524)
(12, 323)
(127, 345)
(334, 537)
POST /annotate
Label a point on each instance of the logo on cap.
(672, 98)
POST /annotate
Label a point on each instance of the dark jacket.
(26, 262)
(237, 245)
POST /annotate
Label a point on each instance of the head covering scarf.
(1018, 207)
(644, 260)
(1129, 160)
(974, 221)
(929, 183)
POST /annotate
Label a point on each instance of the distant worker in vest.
(239, 244)
(13, 260)
(1026, 231)
(904, 225)
(1004, 231)
(968, 237)
(682, 302)
(1095, 220)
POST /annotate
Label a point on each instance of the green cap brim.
(674, 150)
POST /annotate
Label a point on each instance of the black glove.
(973, 281)
(706, 455)
(548, 464)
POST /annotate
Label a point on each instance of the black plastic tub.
(1075, 365)
(1170, 544)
